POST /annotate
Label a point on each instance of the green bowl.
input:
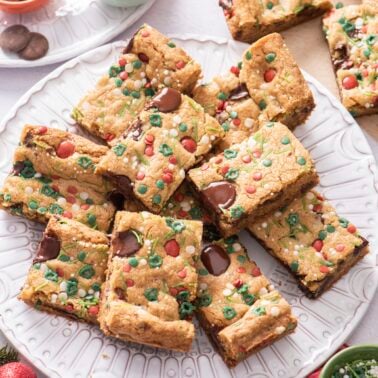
(353, 353)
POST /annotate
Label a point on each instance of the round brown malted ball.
(36, 48)
(15, 38)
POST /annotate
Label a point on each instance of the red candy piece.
(109, 137)
(72, 189)
(84, 206)
(59, 272)
(224, 169)
(149, 151)
(130, 282)
(324, 269)
(238, 282)
(182, 273)
(180, 64)
(122, 62)
(269, 75)
(340, 247)
(256, 271)
(317, 208)
(256, 154)
(317, 245)
(126, 268)
(168, 178)
(172, 159)
(65, 149)
(246, 159)
(350, 82)
(257, 176)
(236, 122)
(16, 370)
(250, 189)
(172, 248)
(93, 310)
(241, 269)
(42, 130)
(69, 307)
(173, 291)
(123, 75)
(145, 33)
(351, 228)
(71, 199)
(182, 213)
(179, 197)
(235, 70)
(140, 176)
(149, 139)
(189, 144)
(67, 214)
(218, 160)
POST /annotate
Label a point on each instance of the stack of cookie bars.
(186, 167)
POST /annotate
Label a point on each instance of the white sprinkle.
(275, 311)
(125, 160)
(264, 225)
(182, 173)
(310, 195)
(138, 84)
(166, 72)
(54, 297)
(82, 293)
(61, 201)
(147, 242)
(229, 285)
(248, 123)
(75, 208)
(277, 214)
(167, 81)
(204, 140)
(212, 137)
(279, 330)
(28, 190)
(84, 195)
(341, 371)
(117, 92)
(154, 81)
(173, 132)
(263, 291)
(237, 247)
(38, 175)
(63, 286)
(129, 68)
(310, 207)
(286, 250)
(91, 291)
(177, 119)
(142, 262)
(97, 294)
(185, 205)
(229, 109)
(190, 249)
(62, 297)
(227, 292)
(203, 286)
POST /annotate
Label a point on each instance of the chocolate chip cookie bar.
(152, 280)
(312, 241)
(253, 178)
(171, 135)
(351, 33)
(237, 306)
(266, 85)
(53, 174)
(68, 271)
(249, 20)
(150, 62)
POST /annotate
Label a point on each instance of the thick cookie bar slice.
(249, 20)
(352, 36)
(253, 178)
(151, 280)
(53, 173)
(237, 306)
(266, 85)
(149, 62)
(169, 137)
(312, 241)
(68, 271)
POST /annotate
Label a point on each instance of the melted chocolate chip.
(122, 184)
(28, 139)
(116, 198)
(210, 232)
(18, 167)
(129, 46)
(239, 93)
(143, 57)
(135, 130)
(342, 59)
(219, 194)
(125, 243)
(225, 4)
(49, 249)
(215, 259)
(167, 100)
(120, 293)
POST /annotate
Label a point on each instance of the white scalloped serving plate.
(72, 28)
(63, 348)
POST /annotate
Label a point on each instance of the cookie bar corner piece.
(68, 271)
(171, 135)
(312, 241)
(149, 62)
(275, 82)
(351, 32)
(249, 20)
(253, 178)
(237, 306)
(152, 280)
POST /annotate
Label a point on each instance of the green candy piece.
(249, 299)
(269, 5)
(292, 219)
(243, 289)
(322, 234)
(229, 312)
(165, 150)
(55, 209)
(237, 212)
(339, 5)
(48, 191)
(234, 115)
(285, 140)
(142, 189)
(177, 226)
(343, 222)
(64, 258)
(72, 288)
(28, 171)
(151, 294)
(96, 286)
(203, 272)
(267, 163)
(262, 105)
(331, 229)
(155, 120)
(155, 261)
(37, 266)
(232, 174)
(87, 271)
(230, 154)
(231, 239)
(119, 149)
(137, 64)
(135, 94)
(171, 44)
(301, 160)
(126, 92)
(270, 57)
(204, 300)
(241, 259)
(230, 249)
(370, 40)
(160, 184)
(33, 204)
(85, 162)
(195, 213)
(183, 127)
(226, 126)
(186, 309)
(133, 262)
(42, 210)
(259, 311)
(7, 197)
(51, 275)
(294, 266)
(182, 295)
(114, 71)
(118, 82)
(81, 256)
(149, 92)
(91, 219)
(222, 96)
(367, 53)
(248, 55)
(156, 199)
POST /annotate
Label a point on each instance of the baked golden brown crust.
(351, 33)
(254, 178)
(249, 20)
(312, 241)
(53, 174)
(151, 280)
(68, 271)
(150, 62)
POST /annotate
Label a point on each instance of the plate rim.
(335, 103)
(83, 47)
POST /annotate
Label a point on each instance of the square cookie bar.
(253, 178)
(152, 280)
(68, 271)
(53, 174)
(266, 85)
(352, 36)
(312, 241)
(171, 135)
(237, 306)
(149, 62)
(249, 20)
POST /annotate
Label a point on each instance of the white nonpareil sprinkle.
(61, 201)
(204, 140)
(84, 195)
(190, 249)
(263, 291)
(129, 68)
(182, 173)
(227, 292)
(277, 214)
(310, 207)
(185, 205)
(310, 195)
(229, 286)
(91, 291)
(75, 208)
(341, 371)
(203, 286)
(173, 132)
(38, 175)
(167, 81)
(275, 311)
(117, 92)
(63, 286)
(138, 84)
(82, 293)
(177, 119)
(97, 294)
(54, 297)
(28, 190)
(264, 225)
(142, 262)
(279, 330)
(62, 297)
(237, 247)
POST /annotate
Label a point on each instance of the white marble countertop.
(204, 17)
